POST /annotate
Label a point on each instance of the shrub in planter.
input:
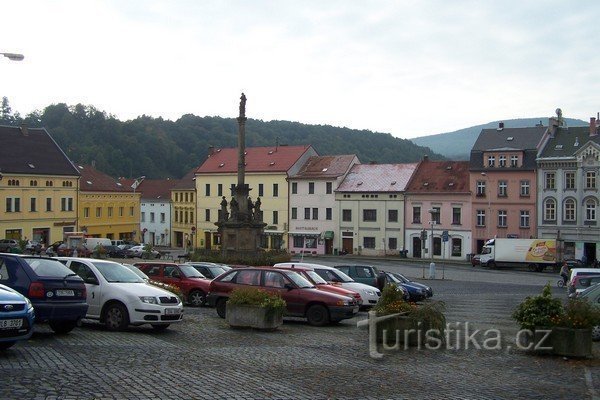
(255, 308)
(572, 331)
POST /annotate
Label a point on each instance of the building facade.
(183, 221)
(155, 215)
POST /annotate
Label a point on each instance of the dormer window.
(491, 161)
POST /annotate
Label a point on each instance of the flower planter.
(247, 316)
(570, 342)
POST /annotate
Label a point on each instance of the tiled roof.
(325, 167)
(187, 182)
(258, 159)
(32, 151)
(93, 180)
(440, 177)
(567, 141)
(377, 178)
(159, 189)
(509, 138)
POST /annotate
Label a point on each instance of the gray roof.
(522, 139)
(567, 141)
(32, 151)
(377, 178)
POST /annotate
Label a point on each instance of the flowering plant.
(578, 314)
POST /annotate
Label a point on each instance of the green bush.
(539, 311)
(260, 259)
(257, 297)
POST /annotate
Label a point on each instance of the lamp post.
(432, 264)
(13, 56)
(488, 194)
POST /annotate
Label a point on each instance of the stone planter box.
(398, 332)
(246, 316)
(569, 342)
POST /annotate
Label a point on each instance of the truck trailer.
(535, 254)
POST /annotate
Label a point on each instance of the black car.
(57, 294)
(114, 251)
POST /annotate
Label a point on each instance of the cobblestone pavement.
(202, 358)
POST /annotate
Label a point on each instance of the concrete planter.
(406, 332)
(569, 342)
(246, 316)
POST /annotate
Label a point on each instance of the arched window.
(590, 210)
(569, 213)
(550, 210)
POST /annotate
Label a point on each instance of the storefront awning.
(328, 235)
(304, 233)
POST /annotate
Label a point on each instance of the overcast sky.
(409, 68)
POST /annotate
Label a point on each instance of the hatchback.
(209, 270)
(58, 295)
(16, 317)
(366, 274)
(118, 297)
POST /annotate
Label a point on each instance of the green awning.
(328, 235)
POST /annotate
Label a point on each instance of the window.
(274, 279)
(369, 242)
(110, 213)
(186, 219)
(347, 215)
(32, 205)
(261, 190)
(502, 188)
(294, 213)
(480, 217)
(206, 215)
(121, 211)
(206, 190)
(298, 241)
(187, 197)
(456, 247)
(491, 161)
(275, 190)
(550, 180)
(502, 218)
(143, 216)
(63, 204)
(152, 217)
(392, 215)
(306, 213)
(416, 215)
(162, 218)
(294, 187)
(131, 213)
(524, 220)
(590, 210)
(248, 277)
(310, 242)
(48, 203)
(502, 161)
(590, 180)
(311, 188)
(328, 214)
(328, 188)
(435, 214)
(392, 243)
(524, 188)
(98, 212)
(480, 190)
(315, 214)
(370, 215)
(569, 180)
(176, 216)
(13, 204)
(220, 189)
(514, 161)
(569, 213)
(275, 217)
(456, 211)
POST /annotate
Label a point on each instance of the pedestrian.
(584, 260)
(564, 272)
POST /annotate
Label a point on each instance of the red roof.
(258, 159)
(93, 180)
(325, 166)
(157, 188)
(440, 177)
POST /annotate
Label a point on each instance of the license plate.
(355, 310)
(171, 311)
(63, 292)
(11, 323)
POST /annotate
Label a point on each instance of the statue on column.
(234, 208)
(250, 207)
(224, 213)
(243, 106)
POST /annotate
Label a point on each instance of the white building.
(155, 216)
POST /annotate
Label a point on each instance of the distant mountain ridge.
(457, 145)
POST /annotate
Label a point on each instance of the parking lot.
(203, 358)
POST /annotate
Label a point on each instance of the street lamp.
(137, 181)
(432, 212)
(488, 194)
(13, 56)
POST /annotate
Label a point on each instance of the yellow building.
(183, 215)
(267, 172)
(107, 207)
(38, 186)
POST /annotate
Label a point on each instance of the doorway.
(347, 245)
(416, 247)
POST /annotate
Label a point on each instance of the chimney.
(93, 163)
(425, 158)
(594, 123)
(24, 130)
(500, 126)
(211, 150)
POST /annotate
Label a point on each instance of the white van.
(91, 243)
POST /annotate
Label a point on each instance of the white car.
(369, 294)
(138, 251)
(117, 297)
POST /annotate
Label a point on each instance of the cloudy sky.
(409, 68)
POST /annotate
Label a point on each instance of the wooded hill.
(159, 148)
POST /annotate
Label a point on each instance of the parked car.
(592, 294)
(9, 245)
(302, 298)
(366, 274)
(415, 291)
(369, 295)
(16, 317)
(404, 279)
(113, 251)
(209, 270)
(580, 283)
(476, 260)
(60, 249)
(582, 271)
(192, 283)
(574, 263)
(33, 247)
(138, 251)
(310, 275)
(117, 297)
(57, 294)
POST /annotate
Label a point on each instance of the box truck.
(535, 254)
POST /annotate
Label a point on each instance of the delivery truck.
(535, 254)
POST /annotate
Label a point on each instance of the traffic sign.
(445, 236)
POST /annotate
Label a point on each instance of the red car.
(310, 275)
(303, 299)
(192, 283)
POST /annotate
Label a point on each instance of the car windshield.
(190, 272)
(115, 272)
(216, 271)
(48, 267)
(315, 278)
(137, 271)
(401, 278)
(589, 290)
(486, 250)
(333, 275)
(300, 281)
(394, 278)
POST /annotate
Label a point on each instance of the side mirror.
(92, 280)
(288, 286)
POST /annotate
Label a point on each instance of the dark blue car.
(407, 281)
(16, 317)
(57, 294)
(416, 291)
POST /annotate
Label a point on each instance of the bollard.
(432, 270)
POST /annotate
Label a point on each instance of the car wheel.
(222, 307)
(160, 327)
(596, 333)
(317, 315)
(116, 317)
(532, 267)
(197, 298)
(6, 345)
(491, 264)
(62, 327)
